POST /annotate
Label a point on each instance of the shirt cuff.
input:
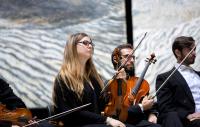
(141, 107)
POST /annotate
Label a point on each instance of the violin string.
(122, 65)
(173, 72)
(58, 115)
(141, 78)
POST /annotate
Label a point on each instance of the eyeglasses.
(125, 56)
(87, 43)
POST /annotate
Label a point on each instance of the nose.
(193, 53)
(89, 46)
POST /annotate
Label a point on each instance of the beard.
(130, 71)
(189, 60)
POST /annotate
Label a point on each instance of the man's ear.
(178, 53)
(116, 59)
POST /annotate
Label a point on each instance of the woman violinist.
(78, 83)
(140, 114)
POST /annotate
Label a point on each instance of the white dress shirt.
(193, 81)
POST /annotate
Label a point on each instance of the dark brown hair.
(182, 42)
(116, 54)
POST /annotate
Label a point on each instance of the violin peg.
(153, 55)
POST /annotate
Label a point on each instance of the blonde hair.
(71, 66)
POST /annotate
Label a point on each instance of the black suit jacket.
(66, 99)
(8, 98)
(175, 95)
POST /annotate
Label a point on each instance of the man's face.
(191, 58)
(129, 66)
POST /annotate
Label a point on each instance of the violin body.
(116, 92)
(132, 99)
(19, 116)
(118, 104)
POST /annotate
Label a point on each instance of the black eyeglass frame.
(125, 56)
(86, 43)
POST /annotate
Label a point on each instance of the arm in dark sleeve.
(153, 110)
(65, 99)
(135, 114)
(4, 123)
(134, 111)
(164, 95)
(8, 98)
(104, 97)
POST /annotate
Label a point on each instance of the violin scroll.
(151, 59)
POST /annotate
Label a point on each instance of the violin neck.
(119, 83)
(139, 81)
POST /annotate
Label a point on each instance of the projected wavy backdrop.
(33, 35)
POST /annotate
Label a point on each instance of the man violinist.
(139, 115)
(179, 98)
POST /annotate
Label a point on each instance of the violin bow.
(130, 55)
(123, 64)
(59, 114)
(173, 72)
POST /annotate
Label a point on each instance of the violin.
(18, 116)
(137, 88)
(121, 65)
(124, 94)
(116, 92)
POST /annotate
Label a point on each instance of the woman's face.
(85, 48)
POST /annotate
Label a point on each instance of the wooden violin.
(18, 116)
(124, 94)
